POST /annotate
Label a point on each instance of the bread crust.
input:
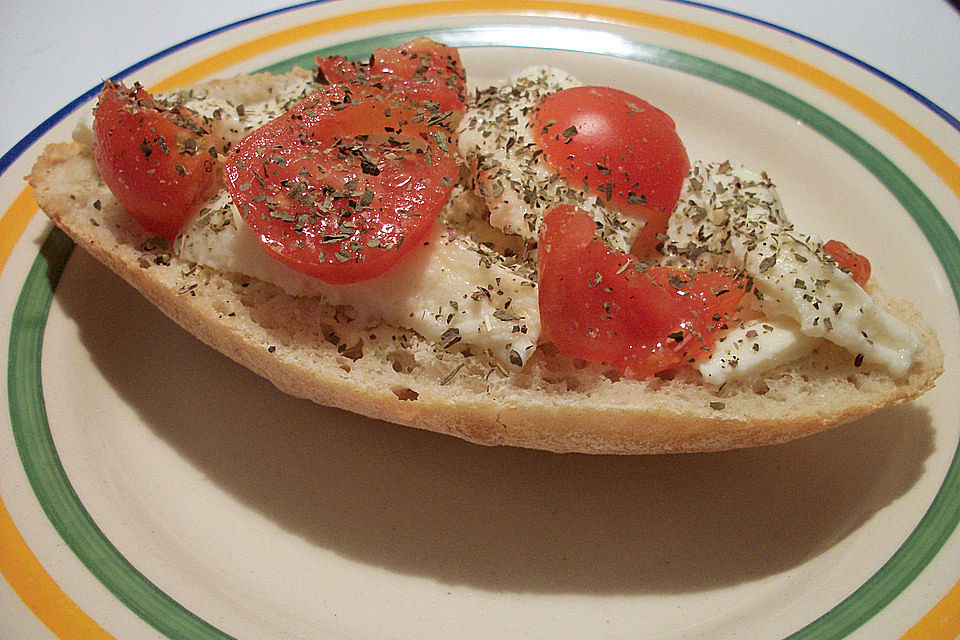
(320, 352)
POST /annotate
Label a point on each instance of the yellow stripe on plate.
(942, 622)
(38, 590)
(14, 221)
(20, 566)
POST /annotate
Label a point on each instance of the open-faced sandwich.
(536, 263)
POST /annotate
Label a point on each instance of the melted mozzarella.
(734, 218)
(755, 346)
(230, 121)
(447, 290)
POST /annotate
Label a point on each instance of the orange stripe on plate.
(14, 221)
(942, 622)
(38, 590)
(18, 563)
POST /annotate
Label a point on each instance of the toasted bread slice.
(324, 353)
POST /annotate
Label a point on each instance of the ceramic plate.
(151, 488)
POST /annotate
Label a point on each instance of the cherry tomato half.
(157, 159)
(602, 305)
(618, 146)
(344, 184)
(421, 70)
(849, 260)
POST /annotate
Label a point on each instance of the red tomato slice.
(343, 185)
(422, 70)
(602, 305)
(618, 146)
(157, 159)
(849, 260)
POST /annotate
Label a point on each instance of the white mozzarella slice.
(731, 217)
(749, 350)
(447, 290)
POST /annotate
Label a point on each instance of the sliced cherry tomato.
(422, 70)
(156, 158)
(618, 146)
(606, 306)
(849, 260)
(344, 184)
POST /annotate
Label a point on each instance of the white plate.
(151, 488)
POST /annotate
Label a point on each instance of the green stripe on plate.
(68, 515)
(45, 472)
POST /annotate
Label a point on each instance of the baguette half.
(324, 353)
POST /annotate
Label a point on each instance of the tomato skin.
(421, 70)
(602, 305)
(344, 184)
(157, 160)
(849, 260)
(616, 145)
